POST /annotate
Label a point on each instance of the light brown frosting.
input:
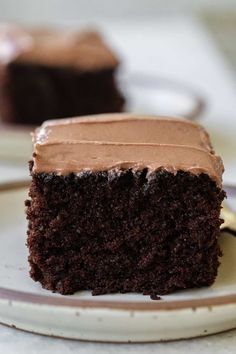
(83, 50)
(115, 141)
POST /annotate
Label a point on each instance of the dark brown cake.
(48, 74)
(124, 225)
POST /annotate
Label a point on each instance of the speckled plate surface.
(112, 318)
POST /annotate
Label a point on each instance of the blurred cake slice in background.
(48, 73)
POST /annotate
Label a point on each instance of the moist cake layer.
(123, 231)
(83, 50)
(107, 142)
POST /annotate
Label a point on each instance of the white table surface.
(180, 49)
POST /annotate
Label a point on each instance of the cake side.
(124, 231)
(55, 92)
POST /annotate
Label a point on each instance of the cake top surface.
(83, 50)
(114, 141)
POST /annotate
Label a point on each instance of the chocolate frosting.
(117, 141)
(83, 50)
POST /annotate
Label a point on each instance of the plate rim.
(35, 299)
(149, 80)
(67, 302)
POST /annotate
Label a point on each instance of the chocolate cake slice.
(47, 74)
(123, 203)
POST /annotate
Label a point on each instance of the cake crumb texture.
(123, 231)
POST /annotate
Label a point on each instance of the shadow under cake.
(124, 203)
(47, 74)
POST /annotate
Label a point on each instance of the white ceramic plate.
(144, 94)
(117, 318)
